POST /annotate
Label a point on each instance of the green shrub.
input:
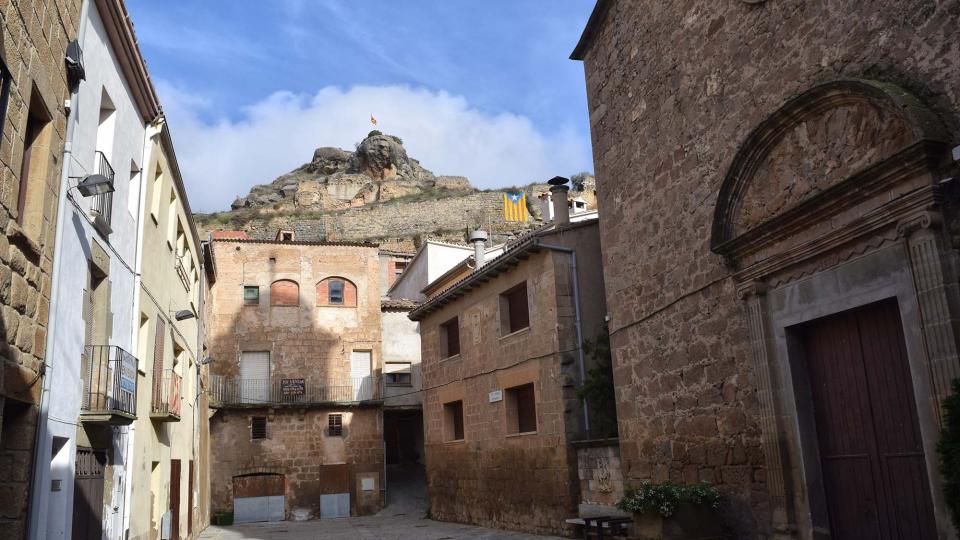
(374, 133)
(666, 497)
(597, 389)
(949, 448)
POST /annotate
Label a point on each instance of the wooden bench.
(603, 526)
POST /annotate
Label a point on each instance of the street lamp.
(95, 184)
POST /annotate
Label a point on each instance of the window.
(34, 167)
(453, 421)
(450, 338)
(258, 427)
(335, 425)
(397, 374)
(284, 292)
(133, 192)
(174, 223)
(514, 313)
(398, 268)
(251, 295)
(521, 409)
(4, 94)
(155, 194)
(336, 291)
(285, 236)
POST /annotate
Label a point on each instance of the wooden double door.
(871, 453)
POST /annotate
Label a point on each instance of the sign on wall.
(496, 395)
(293, 387)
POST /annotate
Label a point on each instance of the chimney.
(477, 238)
(558, 195)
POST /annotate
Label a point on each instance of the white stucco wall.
(400, 339)
(432, 261)
(73, 250)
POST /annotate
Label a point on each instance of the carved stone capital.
(921, 220)
(751, 289)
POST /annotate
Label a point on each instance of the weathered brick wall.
(522, 482)
(34, 38)
(673, 90)
(298, 447)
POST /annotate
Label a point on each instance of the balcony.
(233, 391)
(109, 386)
(167, 398)
(101, 207)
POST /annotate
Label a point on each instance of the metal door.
(871, 453)
(360, 369)
(258, 497)
(255, 377)
(175, 499)
(88, 494)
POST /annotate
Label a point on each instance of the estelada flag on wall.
(515, 206)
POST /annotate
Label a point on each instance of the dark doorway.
(175, 498)
(88, 494)
(871, 453)
(403, 447)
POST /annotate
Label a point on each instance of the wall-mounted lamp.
(184, 314)
(95, 184)
(207, 360)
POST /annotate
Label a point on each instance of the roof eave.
(590, 31)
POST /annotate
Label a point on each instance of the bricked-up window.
(450, 338)
(251, 295)
(335, 425)
(258, 427)
(514, 312)
(521, 407)
(34, 167)
(336, 291)
(284, 292)
(453, 421)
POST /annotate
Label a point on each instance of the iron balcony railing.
(109, 381)
(167, 396)
(236, 391)
(102, 205)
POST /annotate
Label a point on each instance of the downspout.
(40, 449)
(579, 326)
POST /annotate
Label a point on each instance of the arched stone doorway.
(832, 213)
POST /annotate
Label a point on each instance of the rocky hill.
(376, 193)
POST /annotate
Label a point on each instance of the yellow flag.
(373, 120)
(515, 206)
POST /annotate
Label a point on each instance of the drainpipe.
(574, 276)
(40, 480)
(477, 238)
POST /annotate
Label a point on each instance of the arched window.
(284, 292)
(336, 291)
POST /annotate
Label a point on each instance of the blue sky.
(481, 89)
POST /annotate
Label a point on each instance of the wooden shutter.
(158, 347)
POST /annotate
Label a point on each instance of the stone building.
(295, 328)
(33, 122)
(779, 243)
(501, 359)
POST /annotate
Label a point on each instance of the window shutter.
(158, 347)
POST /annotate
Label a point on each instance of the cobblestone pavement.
(378, 527)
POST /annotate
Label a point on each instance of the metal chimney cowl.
(478, 238)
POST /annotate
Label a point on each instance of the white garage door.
(255, 377)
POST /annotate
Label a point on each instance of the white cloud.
(224, 158)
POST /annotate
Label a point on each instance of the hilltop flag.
(515, 206)
(373, 120)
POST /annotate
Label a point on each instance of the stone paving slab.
(364, 528)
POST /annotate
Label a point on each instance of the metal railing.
(167, 397)
(236, 391)
(109, 381)
(102, 205)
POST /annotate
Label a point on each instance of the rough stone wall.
(299, 447)
(34, 38)
(600, 474)
(493, 478)
(673, 90)
(394, 220)
(305, 341)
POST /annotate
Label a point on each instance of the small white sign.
(367, 484)
(496, 395)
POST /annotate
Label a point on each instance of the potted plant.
(674, 511)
